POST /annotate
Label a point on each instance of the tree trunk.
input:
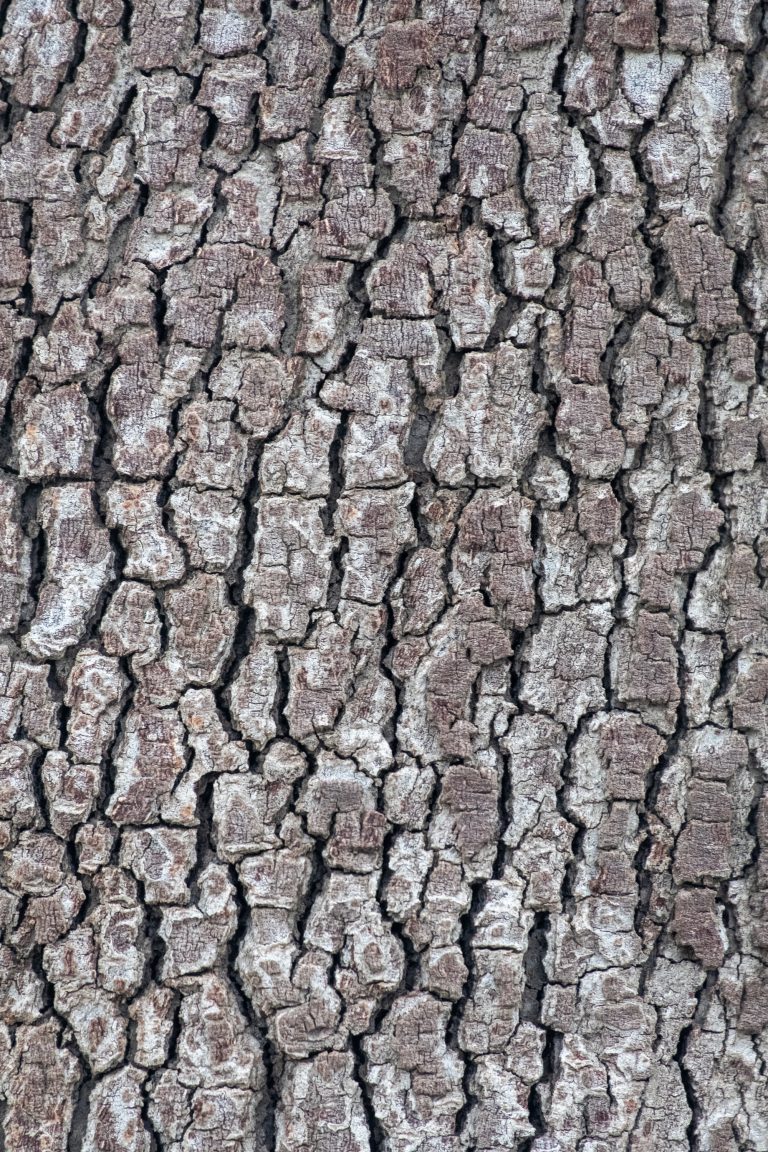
(384, 527)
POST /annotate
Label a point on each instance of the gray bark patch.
(383, 554)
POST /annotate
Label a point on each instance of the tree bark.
(384, 520)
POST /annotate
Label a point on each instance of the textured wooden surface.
(383, 542)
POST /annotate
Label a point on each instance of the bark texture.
(384, 532)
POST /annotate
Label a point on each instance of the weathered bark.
(384, 533)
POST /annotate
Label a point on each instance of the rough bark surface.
(384, 534)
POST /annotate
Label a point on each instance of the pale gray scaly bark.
(383, 544)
